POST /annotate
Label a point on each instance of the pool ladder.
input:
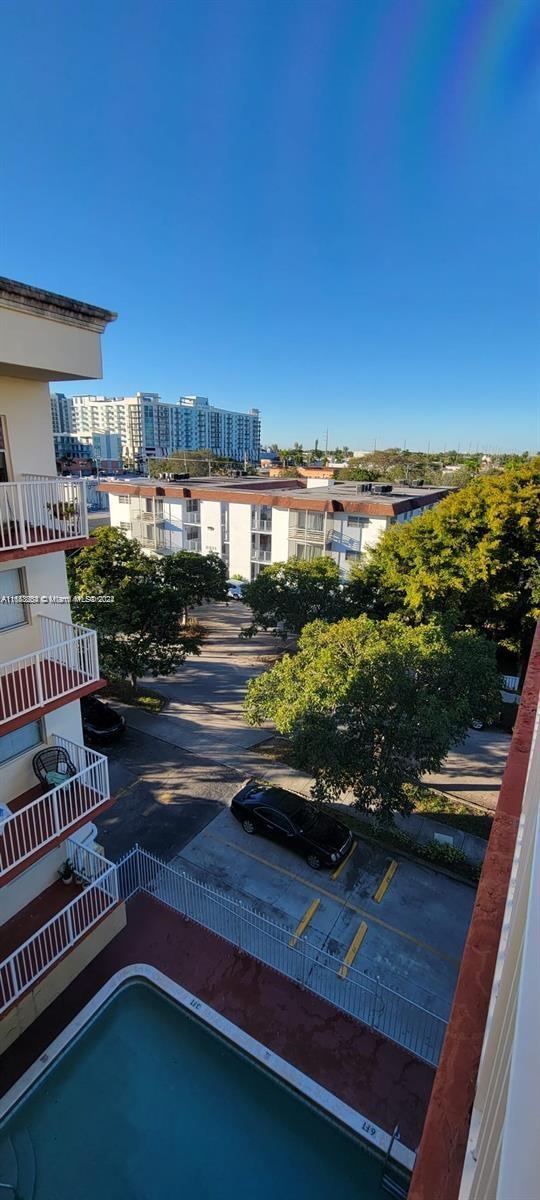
(22, 1167)
(394, 1179)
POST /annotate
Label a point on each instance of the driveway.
(473, 771)
(204, 713)
(163, 796)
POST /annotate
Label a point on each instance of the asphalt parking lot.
(414, 933)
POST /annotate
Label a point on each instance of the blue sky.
(324, 208)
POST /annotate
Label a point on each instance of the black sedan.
(101, 723)
(295, 822)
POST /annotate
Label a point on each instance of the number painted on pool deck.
(367, 1128)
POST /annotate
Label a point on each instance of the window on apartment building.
(25, 738)
(123, 499)
(308, 552)
(352, 554)
(12, 583)
(148, 506)
(357, 521)
(125, 526)
(192, 506)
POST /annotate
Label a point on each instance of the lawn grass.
(121, 689)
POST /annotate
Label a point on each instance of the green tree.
(474, 556)
(140, 631)
(286, 596)
(197, 578)
(371, 706)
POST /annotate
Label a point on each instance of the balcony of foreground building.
(48, 928)
(37, 822)
(480, 1139)
(64, 669)
(41, 514)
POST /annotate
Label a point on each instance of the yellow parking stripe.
(353, 950)
(386, 879)
(302, 925)
(336, 874)
(330, 895)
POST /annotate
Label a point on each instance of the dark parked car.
(100, 722)
(295, 822)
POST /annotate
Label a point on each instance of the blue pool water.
(149, 1104)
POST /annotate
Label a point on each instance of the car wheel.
(313, 861)
(248, 826)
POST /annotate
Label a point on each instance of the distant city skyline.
(323, 209)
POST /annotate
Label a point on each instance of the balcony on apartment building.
(261, 522)
(307, 527)
(43, 932)
(261, 548)
(65, 668)
(35, 822)
(41, 513)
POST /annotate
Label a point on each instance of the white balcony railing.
(67, 661)
(50, 816)
(263, 556)
(22, 969)
(261, 524)
(301, 533)
(41, 511)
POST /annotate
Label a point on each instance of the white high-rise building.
(151, 428)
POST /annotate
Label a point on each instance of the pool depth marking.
(302, 925)
(336, 874)
(362, 912)
(385, 881)
(353, 950)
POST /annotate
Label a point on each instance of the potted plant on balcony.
(65, 872)
(64, 511)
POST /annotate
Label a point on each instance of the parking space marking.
(362, 912)
(303, 924)
(336, 874)
(353, 950)
(385, 881)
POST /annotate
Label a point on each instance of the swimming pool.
(149, 1103)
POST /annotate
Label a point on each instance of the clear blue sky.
(325, 208)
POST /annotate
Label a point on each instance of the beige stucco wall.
(48, 349)
(47, 989)
(26, 406)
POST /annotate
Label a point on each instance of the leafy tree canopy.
(286, 596)
(371, 706)
(474, 556)
(141, 631)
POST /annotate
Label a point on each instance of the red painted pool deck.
(377, 1078)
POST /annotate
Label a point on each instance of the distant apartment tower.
(150, 428)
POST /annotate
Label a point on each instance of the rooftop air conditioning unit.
(385, 488)
(364, 487)
(417, 483)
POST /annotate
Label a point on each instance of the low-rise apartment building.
(251, 523)
(51, 785)
(150, 428)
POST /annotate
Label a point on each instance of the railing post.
(53, 797)
(39, 681)
(69, 923)
(14, 980)
(22, 519)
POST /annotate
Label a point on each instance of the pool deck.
(381, 1080)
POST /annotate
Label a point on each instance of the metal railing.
(302, 533)
(48, 817)
(28, 963)
(261, 555)
(67, 660)
(38, 511)
(366, 999)
(261, 524)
